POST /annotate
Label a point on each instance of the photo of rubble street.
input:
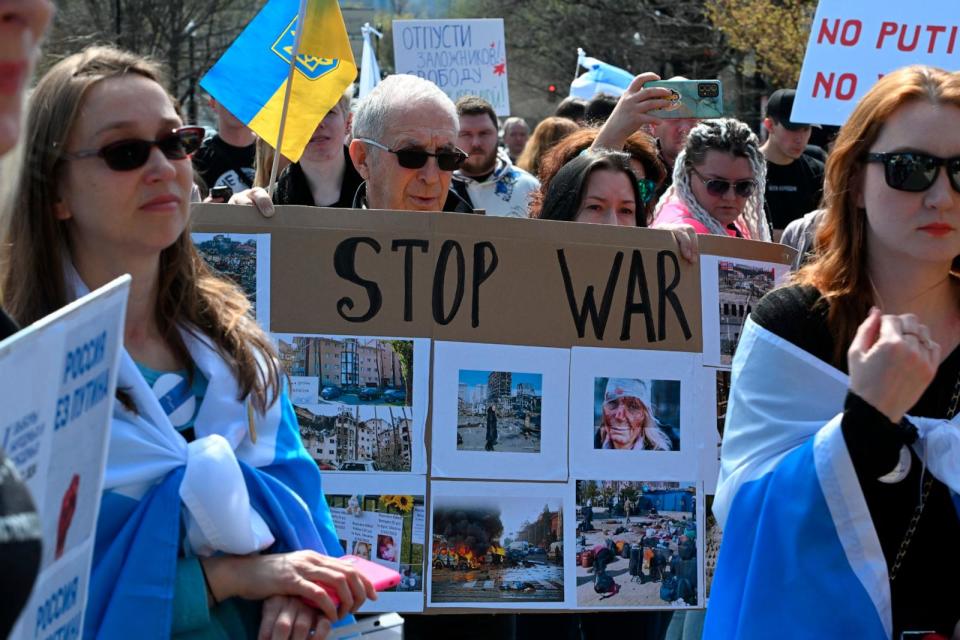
(499, 411)
(636, 544)
(507, 550)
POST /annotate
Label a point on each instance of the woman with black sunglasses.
(718, 182)
(839, 473)
(212, 521)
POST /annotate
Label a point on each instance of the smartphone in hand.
(691, 99)
(383, 578)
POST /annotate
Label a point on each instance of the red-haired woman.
(839, 479)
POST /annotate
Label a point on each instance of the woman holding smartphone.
(212, 521)
(839, 473)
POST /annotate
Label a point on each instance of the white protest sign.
(462, 57)
(855, 42)
(60, 379)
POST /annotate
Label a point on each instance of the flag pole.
(580, 56)
(301, 15)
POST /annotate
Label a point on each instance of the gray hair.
(394, 92)
(512, 120)
(734, 137)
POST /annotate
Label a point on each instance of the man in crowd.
(418, 125)
(515, 133)
(404, 147)
(226, 159)
(671, 135)
(488, 180)
(794, 179)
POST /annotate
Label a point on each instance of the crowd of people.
(104, 186)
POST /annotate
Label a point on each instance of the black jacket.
(292, 186)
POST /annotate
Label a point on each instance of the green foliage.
(404, 351)
(774, 31)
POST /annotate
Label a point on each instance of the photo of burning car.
(508, 550)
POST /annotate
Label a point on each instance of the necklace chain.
(927, 485)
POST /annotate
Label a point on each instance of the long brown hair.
(549, 132)
(640, 146)
(839, 271)
(35, 243)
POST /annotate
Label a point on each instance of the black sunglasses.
(417, 158)
(127, 155)
(911, 171)
(719, 188)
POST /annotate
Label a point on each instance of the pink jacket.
(674, 211)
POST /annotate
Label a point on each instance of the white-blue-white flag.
(800, 556)
(599, 78)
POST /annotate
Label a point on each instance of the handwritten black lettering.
(481, 271)
(589, 307)
(407, 245)
(448, 247)
(344, 262)
(637, 280)
(667, 293)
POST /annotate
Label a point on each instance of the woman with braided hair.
(718, 182)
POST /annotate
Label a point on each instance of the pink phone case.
(382, 577)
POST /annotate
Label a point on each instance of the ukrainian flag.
(250, 80)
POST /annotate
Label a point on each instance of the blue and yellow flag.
(250, 79)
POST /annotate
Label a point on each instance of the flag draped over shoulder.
(250, 79)
(223, 492)
(800, 557)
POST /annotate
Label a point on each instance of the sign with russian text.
(855, 42)
(60, 378)
(462, 57)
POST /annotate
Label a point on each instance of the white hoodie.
(506, 192)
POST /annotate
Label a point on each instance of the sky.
(514, 510)
(473, 378)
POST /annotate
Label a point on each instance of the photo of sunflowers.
(411, 509)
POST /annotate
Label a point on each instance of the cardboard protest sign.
(446, 277)
(462, 57)
(524, 331)
(60, 378)
(855, 42)
(734, 276)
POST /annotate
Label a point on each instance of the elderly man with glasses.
(404, 146)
